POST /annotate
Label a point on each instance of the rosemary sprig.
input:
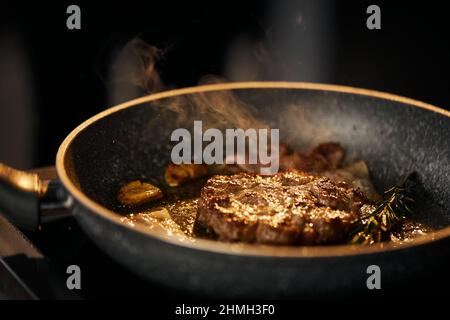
(392, 209)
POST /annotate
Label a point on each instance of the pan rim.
(241, 248)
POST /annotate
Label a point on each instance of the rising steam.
(133, 72)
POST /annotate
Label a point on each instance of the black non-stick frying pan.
(394, 135)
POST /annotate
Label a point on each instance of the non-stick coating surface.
(393, 137)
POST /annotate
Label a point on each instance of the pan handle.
(31, 198)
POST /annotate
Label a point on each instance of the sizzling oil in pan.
(176, 214)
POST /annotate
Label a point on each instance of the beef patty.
(286, 208)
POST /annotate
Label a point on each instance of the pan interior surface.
(394, 136)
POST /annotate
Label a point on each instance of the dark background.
(52, 78)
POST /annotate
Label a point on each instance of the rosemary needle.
(391, 210)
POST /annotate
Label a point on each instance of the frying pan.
(393, 134)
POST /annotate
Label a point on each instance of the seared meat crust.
(286, 208)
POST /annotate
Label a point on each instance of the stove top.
(35, 265)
